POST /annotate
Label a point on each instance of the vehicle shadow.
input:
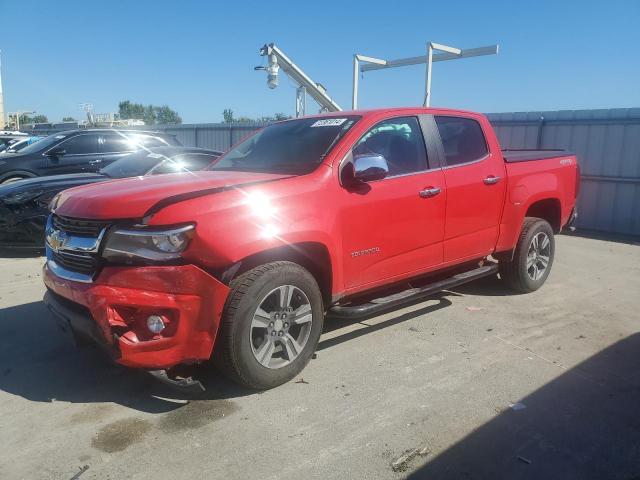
(582, 425)
(487, 287)
(38, 362)
(332, 323)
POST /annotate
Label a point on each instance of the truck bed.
(513, 156)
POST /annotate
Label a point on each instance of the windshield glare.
(44, 143)
(292, 147)
(133, 165)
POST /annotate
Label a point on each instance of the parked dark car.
(16, 145)
(77, 151)
(24, 203)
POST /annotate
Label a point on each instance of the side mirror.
(367, 168)
(56, 152)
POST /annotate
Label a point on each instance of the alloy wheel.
(281, 326)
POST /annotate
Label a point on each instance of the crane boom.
(277, 59)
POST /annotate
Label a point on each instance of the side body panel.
(530, 182)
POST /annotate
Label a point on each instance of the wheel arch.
(313, 256)
(17, 173)
(548, 209)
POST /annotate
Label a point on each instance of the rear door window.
(148, 141)
(462, 139)
(81, 145)
(115, 144)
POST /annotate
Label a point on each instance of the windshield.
(44, 143)
(294, 147)
(133, 165)
(154, 163)
(188, 162)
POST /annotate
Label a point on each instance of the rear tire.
(271, 325)
(532, 259)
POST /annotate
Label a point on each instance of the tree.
(150, 114)
(69, 119)
(165, 115)
(227, 114)
(128, 110)
(25, 119)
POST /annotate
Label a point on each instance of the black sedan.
(78, 151)
(24, 203)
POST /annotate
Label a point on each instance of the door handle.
(94, 162)
(491, 180)
(429, 192)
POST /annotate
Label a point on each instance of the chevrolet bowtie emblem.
(56, 240)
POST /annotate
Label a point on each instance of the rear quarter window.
(462, 139)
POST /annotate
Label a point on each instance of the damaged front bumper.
(112, 312)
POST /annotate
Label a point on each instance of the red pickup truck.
(350, 213)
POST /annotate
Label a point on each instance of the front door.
(80, 151)
(392, 227)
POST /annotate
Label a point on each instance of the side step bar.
(379, 305)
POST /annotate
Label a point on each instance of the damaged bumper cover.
(112, 312)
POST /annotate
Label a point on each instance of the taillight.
(577, 179)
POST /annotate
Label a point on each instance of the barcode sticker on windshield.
(329, 122)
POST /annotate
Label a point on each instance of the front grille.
(81, 228)
(76, 261)
(75, 246)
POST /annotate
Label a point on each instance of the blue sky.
(198, 56)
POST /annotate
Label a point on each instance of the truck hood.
(138, 197)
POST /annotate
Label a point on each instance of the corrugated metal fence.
(217, 136)
(607, 143)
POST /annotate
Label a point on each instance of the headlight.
(147, 243)
(21, 197)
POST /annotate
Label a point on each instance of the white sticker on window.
(329, 122)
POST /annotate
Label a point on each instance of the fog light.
(155, 324)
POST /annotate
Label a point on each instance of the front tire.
(532, 259)
(271, 325)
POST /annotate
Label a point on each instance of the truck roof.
(374, 111)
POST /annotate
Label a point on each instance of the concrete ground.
(476, 383)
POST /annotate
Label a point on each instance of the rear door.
(390, 228)
(111, 147)
(80, 151)
(476, 183)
